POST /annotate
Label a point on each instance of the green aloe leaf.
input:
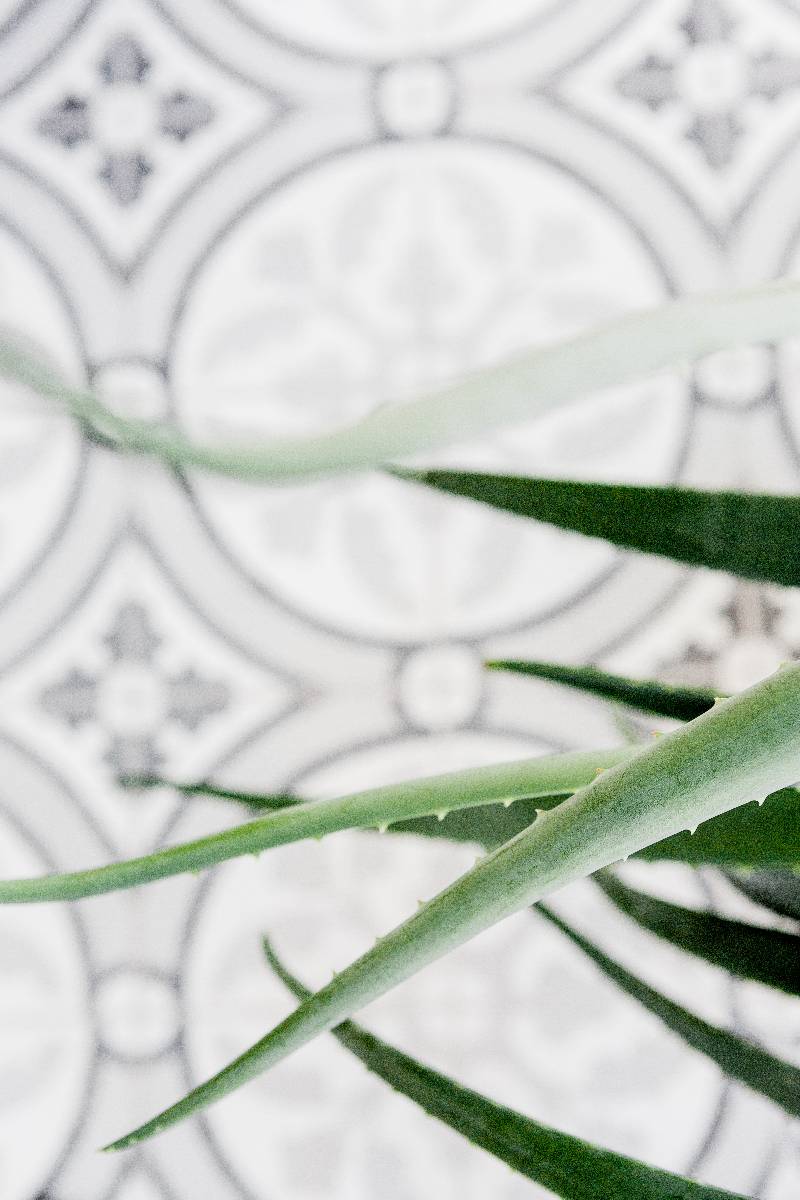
(744, 1061)
(566, 1165)
(532, 382)
(648, 695)
(766, 956)
(749, 535)
(741, 750)
(775, 889)
(376, 808)
(767, 834)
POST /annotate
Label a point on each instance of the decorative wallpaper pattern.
(256, 219)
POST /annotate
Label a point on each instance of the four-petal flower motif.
(124, 117)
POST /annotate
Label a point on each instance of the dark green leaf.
(766, 835)
(753, 536)
(647, 695)
(744, 1061)
(573, 1169)
(257, 801)
(766, 956)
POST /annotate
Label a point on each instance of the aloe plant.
(716, 790)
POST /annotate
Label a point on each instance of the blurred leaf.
(777, 890)
(534, 381)
(647, 695)
(766, 956)
(752, 536)
(742, 1060)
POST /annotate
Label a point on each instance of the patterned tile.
(260, 219)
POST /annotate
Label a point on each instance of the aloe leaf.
(566, 1165)
(766, 956)
(376, 808)
(648, 695)
(741, 750)
(744, 1061)
(530, 383)
(753, 835)
(754, 536)
(777, 890)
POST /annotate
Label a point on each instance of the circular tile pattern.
(415, 98)
(440, 687)
(418, 263)
(735, 378)
(137, 1013)
(353, 29)
(133, 388)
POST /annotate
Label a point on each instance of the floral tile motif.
(125, 118)
(133, 697)
(138, 685)
(710, 89)
(710, 78)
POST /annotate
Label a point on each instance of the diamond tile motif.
(126, 120)
(710, 88)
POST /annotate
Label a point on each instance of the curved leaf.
(530, 383)
(376, 808)
(744, 1061)
(752, 536)
(742, 749)
(648, 695)
(566, 1165)
(766, 956)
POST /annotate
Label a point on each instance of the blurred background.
(255, 219)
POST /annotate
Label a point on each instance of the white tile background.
(260, 218)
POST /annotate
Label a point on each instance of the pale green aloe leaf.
(768, 956)
(376, 808)
(742, 1060)
(741, 750)
(680, 702)
(565, 1165)
(752, 536)
(532, 382)
(766, 835)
